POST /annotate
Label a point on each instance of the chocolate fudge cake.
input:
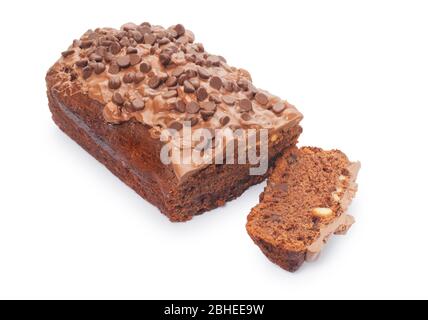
(116, 92)
(303, 205)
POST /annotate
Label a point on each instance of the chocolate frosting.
(151, 68)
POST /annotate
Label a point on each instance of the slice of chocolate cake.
(303, 205)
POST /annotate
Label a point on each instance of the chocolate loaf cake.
(303, 205)
(117, 92)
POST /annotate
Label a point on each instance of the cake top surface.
(306, 199)
(161, 78)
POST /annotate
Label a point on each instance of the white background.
(358, 70)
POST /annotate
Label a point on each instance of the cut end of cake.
(303, 205)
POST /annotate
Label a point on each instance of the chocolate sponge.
(303, 205)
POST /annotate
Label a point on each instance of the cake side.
(303, 205)
(127, 139)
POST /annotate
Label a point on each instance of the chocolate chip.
(192, 107)
(108, 57)
(114, 68)
(133, 42)
(105, 43)
(115, 48)
(214, 60)
(171, 81)
(114, 83)
(67, 53)
(129, 26)
(86, 44)
(164, 59)
(101, 51)
(180, 30)
(124, 42)
(243, 84)
(250, 94)
(170, 94)
(229, 86)
(124, 61)
(209, 106)
(204, 73)
(195, 83)
(139, 76)
(163, 41)
(182, 79)
(131, 50)
(251, 87)
(120, 34)
(175, 125)
(177, 72)
(154, 82)
(216, 83)
(118, 99)
(206, 115)
(138, 104)
(246, 117)
(261, 99)
(224, 121)
(82, 63)
(137, 35)
(129, 77)
(201, 94)
(188, 87)
(215, 98)
(180, 106)
(230, 101)
(92, 64)
(134, 59)
(145, 67)
(149, 38)
(145, 27)
(190, 73)
(87, 72)
(91, 35)
(245, 105)
(279, 107)
(95, 57)
(99, 68)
